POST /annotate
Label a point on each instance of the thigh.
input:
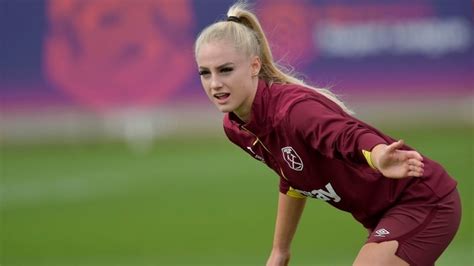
(379, 254)
(422, 231)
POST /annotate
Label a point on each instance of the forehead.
(216, 53)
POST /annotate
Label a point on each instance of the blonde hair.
(248, 36)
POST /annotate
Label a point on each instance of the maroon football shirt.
(316, 149)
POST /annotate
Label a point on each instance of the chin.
(225, 109)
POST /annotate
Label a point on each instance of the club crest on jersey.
(292, 158)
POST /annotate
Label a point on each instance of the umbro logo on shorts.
(382, 232)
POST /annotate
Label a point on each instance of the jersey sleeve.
(332, 133)
(286, 189)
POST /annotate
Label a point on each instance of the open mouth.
(221, 96)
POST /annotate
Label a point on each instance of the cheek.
(246, 77)
(205, 86)
(245, 82)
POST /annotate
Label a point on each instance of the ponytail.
(245, 30)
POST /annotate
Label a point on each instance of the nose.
(215, 83)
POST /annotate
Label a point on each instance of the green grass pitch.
(188, 201)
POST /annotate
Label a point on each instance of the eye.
(226, 69)
(204, 72)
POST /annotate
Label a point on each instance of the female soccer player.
(409, 204)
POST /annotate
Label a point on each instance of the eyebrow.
(219, 67)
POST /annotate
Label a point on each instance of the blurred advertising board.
(108, 54)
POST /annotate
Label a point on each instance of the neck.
(245, 110)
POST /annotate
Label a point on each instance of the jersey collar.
(259, 122)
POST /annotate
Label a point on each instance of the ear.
(256, 65)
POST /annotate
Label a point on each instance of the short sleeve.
(286, 189)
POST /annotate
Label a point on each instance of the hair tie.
(234, 19)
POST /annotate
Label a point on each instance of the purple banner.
(108, 54)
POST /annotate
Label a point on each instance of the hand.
(395, 163)
(278, 258)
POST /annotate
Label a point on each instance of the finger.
(412, 155)
(415, 168)
(416, 162)
(415, 171)
(416, 155)
(394, 146)
(414, 174)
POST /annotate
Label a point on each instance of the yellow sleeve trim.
(294, 194)
(368, 158)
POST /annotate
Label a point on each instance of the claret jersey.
(317, 150)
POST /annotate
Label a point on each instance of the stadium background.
(112, 155)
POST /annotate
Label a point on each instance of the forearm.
(288, 216)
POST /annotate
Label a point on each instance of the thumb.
(396, 145)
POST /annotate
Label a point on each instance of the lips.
(222, 97)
